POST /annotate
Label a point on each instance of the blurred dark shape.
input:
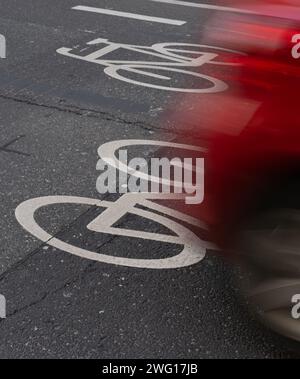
(252, 202)
(264, 144)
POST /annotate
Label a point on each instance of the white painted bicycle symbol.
(173, 59)
(193, 249)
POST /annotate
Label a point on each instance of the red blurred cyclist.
(253, 168)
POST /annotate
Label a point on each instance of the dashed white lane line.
(204, 6)
(129, 15)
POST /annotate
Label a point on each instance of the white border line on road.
(129, 15)
(204, 6)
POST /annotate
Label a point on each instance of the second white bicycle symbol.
(193, 249)
(171, 61)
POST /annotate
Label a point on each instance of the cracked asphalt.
(54, 114)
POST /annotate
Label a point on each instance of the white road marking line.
(205, 6)
(130, 15)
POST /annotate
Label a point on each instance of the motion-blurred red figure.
(253, 167)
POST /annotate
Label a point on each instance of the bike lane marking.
(165, 50)
(194, 249)
(135, 16)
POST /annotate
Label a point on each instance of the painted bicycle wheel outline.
(218, 85)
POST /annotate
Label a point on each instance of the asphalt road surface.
(55, 112)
